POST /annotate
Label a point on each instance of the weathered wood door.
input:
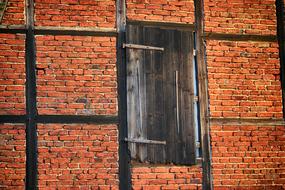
(160, 94)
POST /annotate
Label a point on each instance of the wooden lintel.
(161, 24)
(239, 37)
(248, 121)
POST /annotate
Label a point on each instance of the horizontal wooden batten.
(145, 141)
(247, 121)
(239, 37)
(166, 25)
(144, 47)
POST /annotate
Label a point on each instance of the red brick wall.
(181, 11)
(76, 75)
(240, 16)
(166, 177)
(244, 82)
(244, 79)
(12, 156)
(78, 156)
(12, 74)
(248, 157)
(84, 13)
(14, 13)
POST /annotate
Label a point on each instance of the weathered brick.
(83, 13)
(73, 80)
(181, 11)
(12, 71)
(12, 156)
(14, 13)
(79, 165)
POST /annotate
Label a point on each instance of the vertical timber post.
(124, 156)
(31, 109)
(280, 15)
(203, 95)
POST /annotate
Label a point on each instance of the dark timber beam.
(203, 95)
(247, 121)
(31, 107)
(280, 14)
(12, 118)
(124, 157)
(75, 31)
(239, 37)
(72, 31)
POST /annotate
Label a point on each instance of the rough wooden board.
(157, 94)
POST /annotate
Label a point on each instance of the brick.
(79, 163)
(181, 11)
(75, 13)
(77, 86)
(12, 69)
(12, 159)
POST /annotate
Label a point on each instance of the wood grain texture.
(160, 95)
(207, 183)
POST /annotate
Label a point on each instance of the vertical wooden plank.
(131, 90)
(154, 97)
(149, 62)
(142, 98)
(187, 134)
(124, 157)
(169, 101)
(31, 103)
(203, 95)
(136, 94)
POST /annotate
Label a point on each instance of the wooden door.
(160, 94)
